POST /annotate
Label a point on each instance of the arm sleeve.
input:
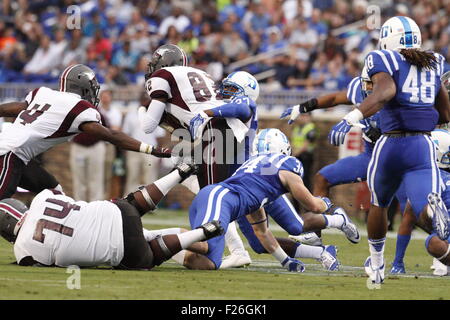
(149, 120)
(238, 108)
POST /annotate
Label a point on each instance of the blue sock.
(400, 249)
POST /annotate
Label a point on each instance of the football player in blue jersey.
(267, 175)
(239, 90)
(408, 93)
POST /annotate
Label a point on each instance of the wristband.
(311, 104)
(145, 148)
(280, 255)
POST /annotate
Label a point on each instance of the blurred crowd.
(303, 44)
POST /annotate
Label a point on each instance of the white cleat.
(236, 260)
(377, 274)
(440, 269)
(437, 211)
(309, 238)
(349, 228)
(329, 258)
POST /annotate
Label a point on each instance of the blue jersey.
(257, 181)
(411, 109)
(355, 95)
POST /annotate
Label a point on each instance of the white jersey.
(58, 230)
(188, 91)
(52, 117)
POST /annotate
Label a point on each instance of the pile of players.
(399, 100)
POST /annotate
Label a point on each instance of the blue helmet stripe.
(408, 32)
(261, 139)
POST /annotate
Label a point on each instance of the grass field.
(264, 279)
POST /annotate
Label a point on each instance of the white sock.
(376, 247)
(334, 221)
(233, 240)
(190, 237)
(168, 182)
(306, 251)
(149, 235)
(179, 257)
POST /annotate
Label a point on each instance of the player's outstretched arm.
(12, 109)
(123, 140)
(442, 105)
(296, 187)
(150, 116)
(258, 220)
(323, 102)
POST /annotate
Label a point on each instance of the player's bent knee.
(195, 261)
(438, 248)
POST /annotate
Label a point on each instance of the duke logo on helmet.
(400, 33)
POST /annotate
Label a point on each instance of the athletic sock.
(334, 221)
(233, 240)
(400, 249)
(376, 247)
(189, 237)
(306, 251)
(149, 235)
(168, 182)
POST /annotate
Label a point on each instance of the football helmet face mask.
(271, 141)
(366, 83)
(240, 83)
(80, 79)
(442, 140)
(12, 212)
(168, 55)
(400, 33)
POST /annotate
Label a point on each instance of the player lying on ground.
(178, 93)
(259, 181)
(240, 90)
(411, 100)
(59, 231)
(50, 117)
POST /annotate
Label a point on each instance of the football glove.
(195, 123)
(295, 111)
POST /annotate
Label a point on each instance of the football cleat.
(329, 258)
(236, 260)
(397, 268)
(212, 229)
(440, 269)
(438, 213)
(309, 238)
(377, 274)
(349, 228)
(185, 170)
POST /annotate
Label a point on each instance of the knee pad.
(143, 203)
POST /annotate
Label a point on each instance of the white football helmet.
(271, 141)
(442, 140)
(244, 83)
(400, 33)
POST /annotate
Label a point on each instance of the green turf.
(264, 279)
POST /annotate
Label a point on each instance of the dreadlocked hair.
(421, 59)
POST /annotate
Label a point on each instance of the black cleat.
(212, 229)
(185, 170)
